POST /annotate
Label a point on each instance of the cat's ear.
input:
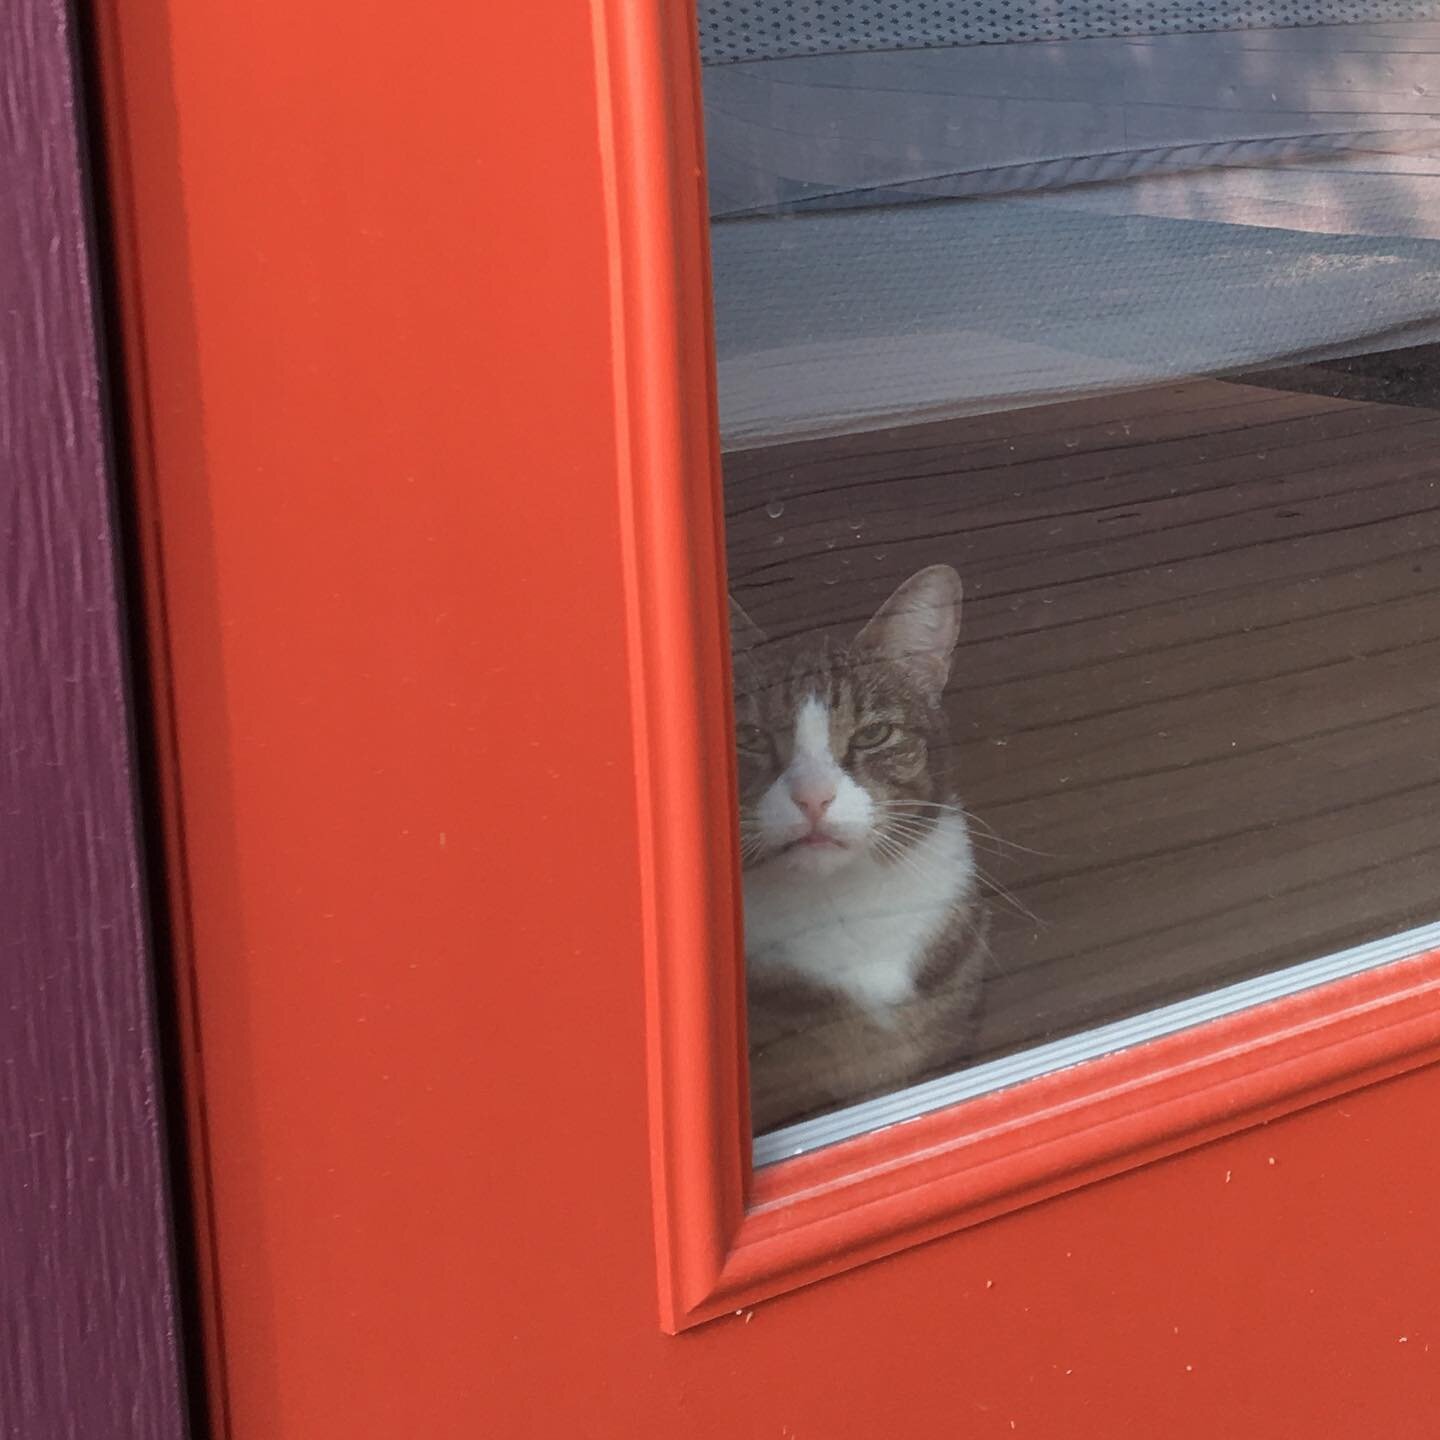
(745, 634)
(917, 627)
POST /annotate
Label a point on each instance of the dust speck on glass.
(1079, 371)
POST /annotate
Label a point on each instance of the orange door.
(419, 369)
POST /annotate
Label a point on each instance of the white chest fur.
(863, 930)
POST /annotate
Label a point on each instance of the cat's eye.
(751, 739)
(872, 736)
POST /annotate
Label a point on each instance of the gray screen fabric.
(880, 128)
(874, 318)
(1097, 213)
(733, 30)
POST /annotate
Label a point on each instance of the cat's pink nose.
(812, 798)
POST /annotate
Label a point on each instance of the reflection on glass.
(1125, 322)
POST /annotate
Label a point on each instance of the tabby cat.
(864, 933)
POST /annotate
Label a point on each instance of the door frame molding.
(726, 1236)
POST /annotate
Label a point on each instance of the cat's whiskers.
(895, 841)
(901, 853)
(887, 846)
(905, 851)
(910, 835)
(902, 837)
(947, 807)
(753, 844)
(1009, 896)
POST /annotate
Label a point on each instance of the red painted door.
(420, 361)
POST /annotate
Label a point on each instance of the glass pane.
(1080, 404)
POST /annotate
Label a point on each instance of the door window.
(1079, 392)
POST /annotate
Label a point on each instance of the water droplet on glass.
(775, 509)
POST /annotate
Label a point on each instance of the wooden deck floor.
(1198, 677)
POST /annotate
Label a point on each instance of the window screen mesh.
(732, 30)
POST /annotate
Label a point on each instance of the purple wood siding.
(88, 1344)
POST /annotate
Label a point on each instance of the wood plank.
(1271, 688)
